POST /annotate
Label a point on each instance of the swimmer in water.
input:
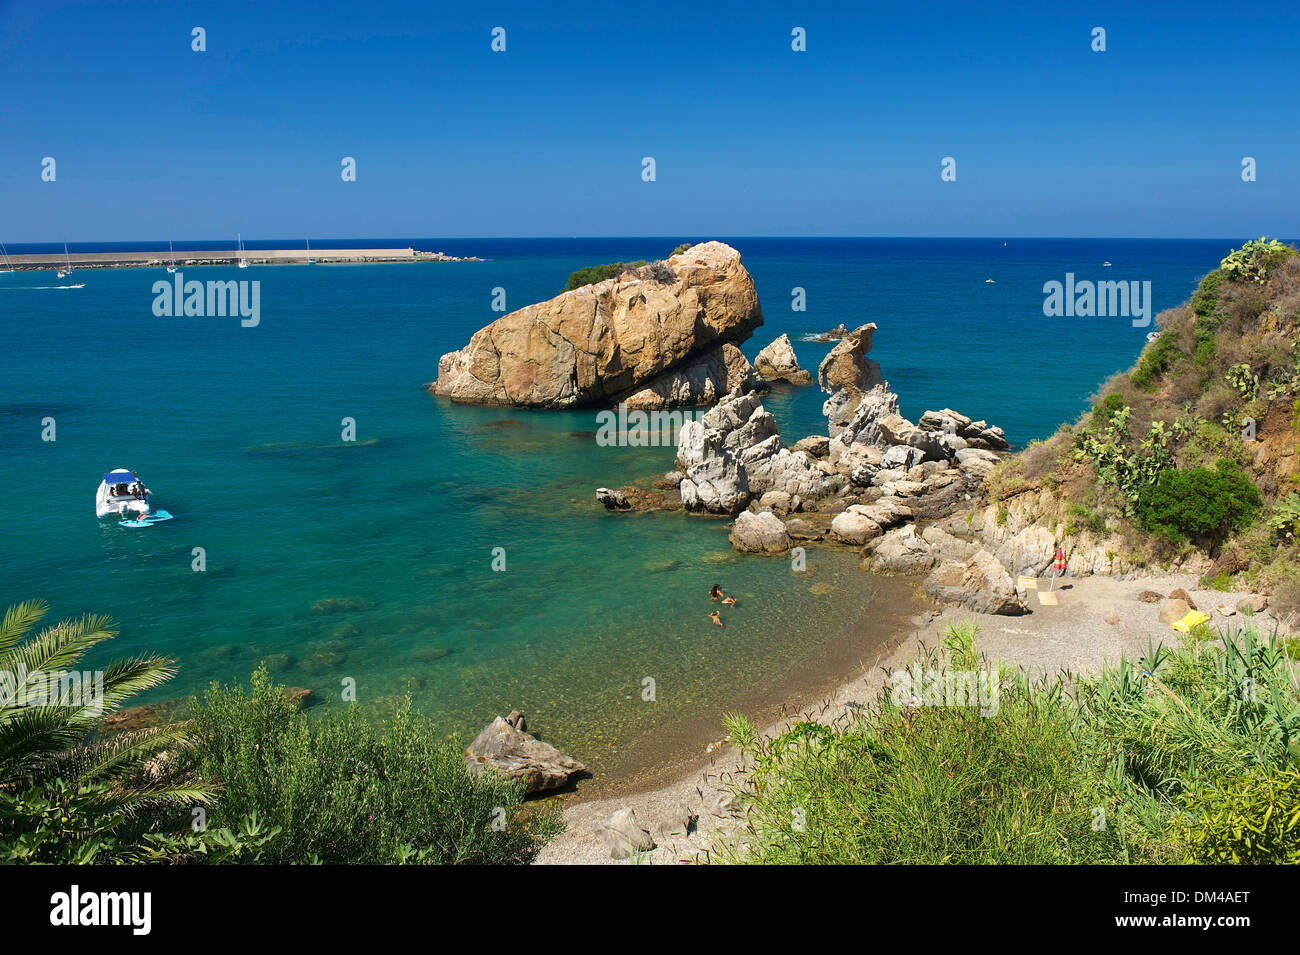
(728, 601)
(717, 618)
(715, 592)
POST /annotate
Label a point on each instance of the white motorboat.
(121, 493)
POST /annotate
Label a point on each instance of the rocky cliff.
(662, 335)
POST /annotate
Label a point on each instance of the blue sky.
(154, 140)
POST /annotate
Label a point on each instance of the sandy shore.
(1096, 620)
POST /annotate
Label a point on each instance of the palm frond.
(19, 619)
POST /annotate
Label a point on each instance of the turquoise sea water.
(238, 433)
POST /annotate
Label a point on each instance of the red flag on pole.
(1059, 566)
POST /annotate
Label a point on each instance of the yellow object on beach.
(1027, 583)
(1193, 620)
(1047, 599)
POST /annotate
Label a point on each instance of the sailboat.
(65, 271)
(172, 255)
(8, 265)
(310, 260)
(243, 262)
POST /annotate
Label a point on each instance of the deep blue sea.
(238, 431)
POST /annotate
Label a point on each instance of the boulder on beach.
(1173, 609)
(596, 344)
(623, 835)
(506, 748)
(777, 362)
(980, 583)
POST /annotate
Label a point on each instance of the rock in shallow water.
(759, 533)
(506, 748)
(777, 362)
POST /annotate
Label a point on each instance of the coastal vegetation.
(598, 273)
(67, 793)
(248, 778)
(340, 789)
(1190, 754)
(1192, 457)
(609, 270)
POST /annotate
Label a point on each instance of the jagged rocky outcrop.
(734, 454)
(777, 362)
(656, 335)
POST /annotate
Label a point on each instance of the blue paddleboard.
(149, 521)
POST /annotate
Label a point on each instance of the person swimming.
(715, 593)
(728, 601)
(717, 618)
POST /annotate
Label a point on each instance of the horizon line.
(678, 237)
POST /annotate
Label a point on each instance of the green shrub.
(1155, 360)
(68, 794)
(1205, 301)
(1285, 516)
(680, 249)
(1253, 260)
(598, 273)
(1199, 504)
(1106, 409)
(341, 790)
(1250, 819)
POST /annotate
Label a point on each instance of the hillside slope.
(1190, 458)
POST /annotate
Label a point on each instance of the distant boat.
(1105, 265)
(65, 271)
(172, 256)
(1152, 336)
(989, 282)
(310, 260)
(243, 262)
(8, 265)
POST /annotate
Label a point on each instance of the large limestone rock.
(762, 533)
(979, 583)
(777, 362)
(505, 747)
(701, 381)
(596, 344)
